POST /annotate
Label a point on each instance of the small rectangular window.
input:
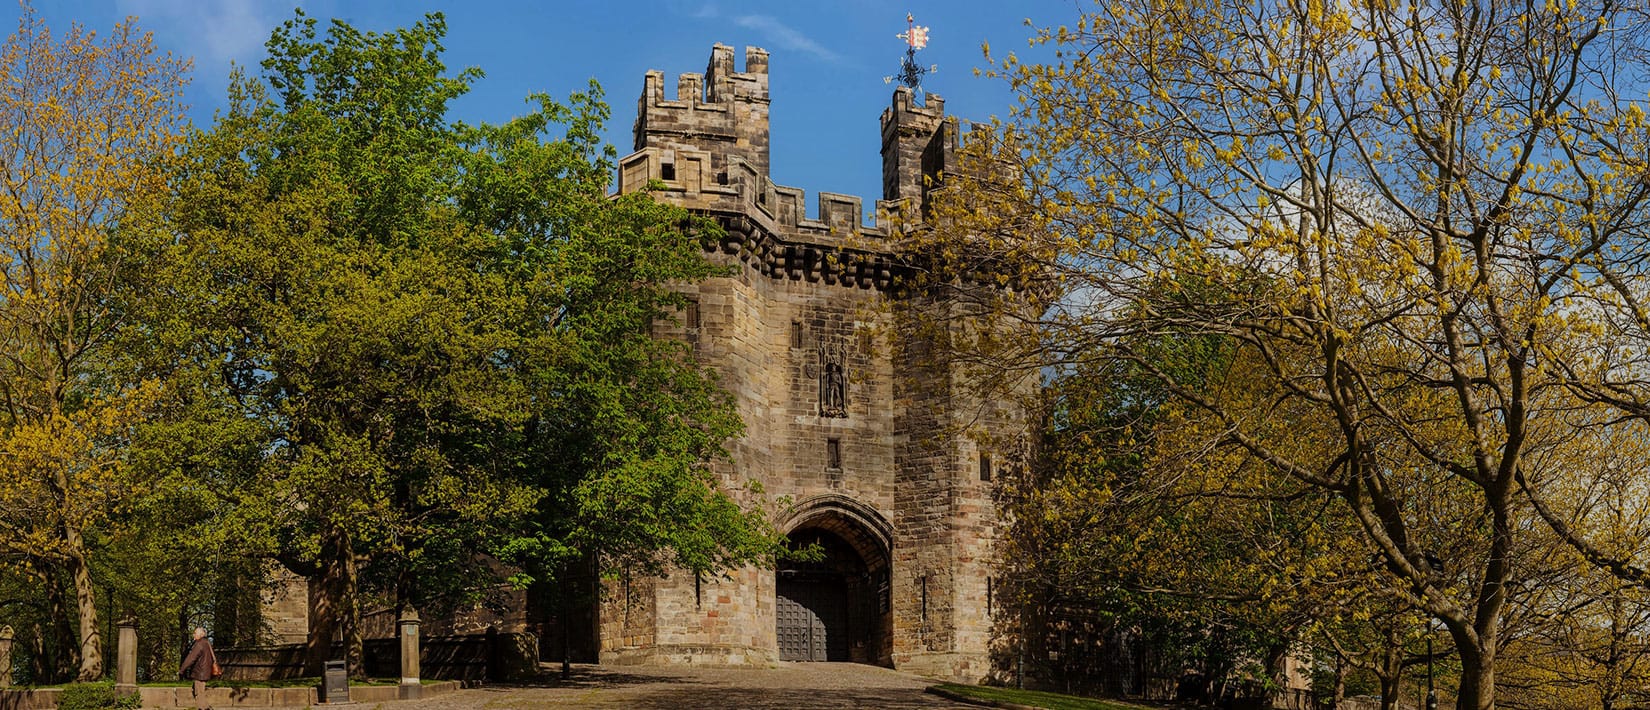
(925, 599)
(985, 467)
(796, 334)
(667, 171)
(833, 454)
(692, 315)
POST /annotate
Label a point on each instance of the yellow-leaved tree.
(86, 122)
(1423, 227)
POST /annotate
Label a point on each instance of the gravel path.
(791, 685)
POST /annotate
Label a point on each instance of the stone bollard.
(126, 658)
(6, 637)
(410, 686)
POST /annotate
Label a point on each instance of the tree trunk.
(1389, 692)
(1477, 690)
(325, 606)
(333, 607)
(41, 667)
(323, 623)
(354, 645)
(85, 598)
(1339, 693)
(62, 657)
(1390, 670)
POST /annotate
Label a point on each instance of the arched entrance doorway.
(835, 608)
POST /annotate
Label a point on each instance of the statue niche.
(833, 381)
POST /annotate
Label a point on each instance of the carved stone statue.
(833, 381)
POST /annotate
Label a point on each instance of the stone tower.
(852, 433)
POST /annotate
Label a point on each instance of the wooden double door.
(812, 617)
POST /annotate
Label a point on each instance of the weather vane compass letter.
(910, 72)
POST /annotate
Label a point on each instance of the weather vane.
(910, 72)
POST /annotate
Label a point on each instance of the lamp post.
(1432, 697)
(1437, 565)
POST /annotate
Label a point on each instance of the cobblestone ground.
(792, 685)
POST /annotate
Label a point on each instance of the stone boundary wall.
(181, 697)
(471, 657)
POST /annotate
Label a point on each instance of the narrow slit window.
(985, 467)
(796, 334)
(692, 315)
(833, 454)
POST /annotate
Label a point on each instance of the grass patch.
(1037, 698)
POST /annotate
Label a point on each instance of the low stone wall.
(262, 663)
(471, 657)
(182, 697)
(689, 655)
(28, 699)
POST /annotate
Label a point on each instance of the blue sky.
(827, 59)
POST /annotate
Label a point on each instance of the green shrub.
(95, 696)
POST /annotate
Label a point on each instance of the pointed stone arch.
(836, 608)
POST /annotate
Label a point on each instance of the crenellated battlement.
(918, 141)
(689, 177)
(767, 225)
(708, 148)
(722, 111)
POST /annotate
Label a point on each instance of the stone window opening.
(667, 171)
(796, 334)
(698, 591)
(988, 584)
(985, 467)
(691, 315)
(833, 454)
(925, 600)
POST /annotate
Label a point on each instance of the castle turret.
(722, 112)
(917, 143)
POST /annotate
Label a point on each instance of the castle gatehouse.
(861, 433)
(862, 439)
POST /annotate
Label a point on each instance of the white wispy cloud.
(785, 37)
(215, 32)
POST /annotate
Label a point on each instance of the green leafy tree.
(406, 343)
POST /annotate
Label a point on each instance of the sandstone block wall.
(851, 426)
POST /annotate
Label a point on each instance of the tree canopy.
(1420, 229)
(89, 123)
(401, 356)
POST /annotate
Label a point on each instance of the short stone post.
(410, 686)
(126, 658)
(6, 637)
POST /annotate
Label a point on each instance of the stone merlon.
(708, 146)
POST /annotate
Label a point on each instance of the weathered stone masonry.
(853, 432)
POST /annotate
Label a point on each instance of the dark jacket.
(198, 664)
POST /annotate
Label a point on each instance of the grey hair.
(200, 631)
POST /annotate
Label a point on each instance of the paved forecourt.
(788, 686)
